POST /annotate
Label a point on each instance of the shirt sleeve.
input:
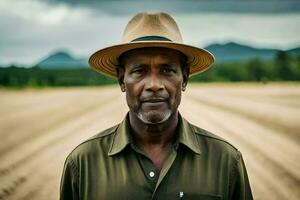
(69, 182)
(240, 187)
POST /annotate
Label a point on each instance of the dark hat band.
(151, 38)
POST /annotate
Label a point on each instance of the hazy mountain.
(237, 52)
(222, 52)
(295, 51)
(62, 59)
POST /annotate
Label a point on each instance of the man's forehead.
(165, 54)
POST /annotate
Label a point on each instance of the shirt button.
(151, 174)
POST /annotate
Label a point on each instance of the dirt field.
(38, 128)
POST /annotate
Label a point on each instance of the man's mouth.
(156, 100)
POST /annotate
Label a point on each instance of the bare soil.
(40, 127)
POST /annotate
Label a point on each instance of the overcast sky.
(31, 29)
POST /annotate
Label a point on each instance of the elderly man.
(154, 153)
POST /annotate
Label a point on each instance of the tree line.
(283, 67)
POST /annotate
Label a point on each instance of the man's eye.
(168, 70)
(138, 71)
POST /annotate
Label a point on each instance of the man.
(154, 153)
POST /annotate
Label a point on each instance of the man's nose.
(154, 83)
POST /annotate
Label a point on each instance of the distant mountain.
(295, 51)
(222, 52)
(237, 52)
(62, 59)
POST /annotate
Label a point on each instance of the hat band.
(151, 38)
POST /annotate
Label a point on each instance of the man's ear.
(120, 76)
(185, 75)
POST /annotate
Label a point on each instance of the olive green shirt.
(110, 166)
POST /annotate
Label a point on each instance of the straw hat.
(150, 30)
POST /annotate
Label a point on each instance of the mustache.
(154, 98)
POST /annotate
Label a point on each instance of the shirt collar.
(121, 137)
(187, 136)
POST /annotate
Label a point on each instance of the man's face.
(153, 80)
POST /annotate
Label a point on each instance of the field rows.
(38, 128)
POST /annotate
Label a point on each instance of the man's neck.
(154, 135)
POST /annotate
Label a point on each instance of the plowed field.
(39, 127)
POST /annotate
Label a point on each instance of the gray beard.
(154, 117)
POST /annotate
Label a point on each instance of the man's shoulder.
(97, 144)
(105, 133)
(214, 141)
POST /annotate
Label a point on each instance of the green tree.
(282, 66)
(256, 69)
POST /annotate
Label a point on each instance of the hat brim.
(105, 60)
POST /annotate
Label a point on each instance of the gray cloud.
(125, 7)
(30, 29)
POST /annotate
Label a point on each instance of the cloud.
(30, 35)
(38, 11)
(30, 29)
(278, 31)
(127, 7)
